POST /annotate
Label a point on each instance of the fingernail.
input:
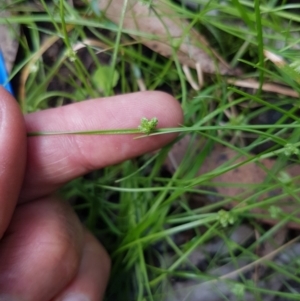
(74, 297)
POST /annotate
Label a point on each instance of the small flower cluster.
(148, 126)
(225, 218)
(290, 149)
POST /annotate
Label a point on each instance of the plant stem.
(96, 132)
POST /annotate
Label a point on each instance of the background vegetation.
(186, 222)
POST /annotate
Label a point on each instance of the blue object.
(4, 75)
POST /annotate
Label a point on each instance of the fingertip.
(93, 274)
(165, 104)
(13, 155)
(41, 250)
(170, 108)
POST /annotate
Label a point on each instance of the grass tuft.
(155, 217)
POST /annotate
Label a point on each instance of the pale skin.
(45, 252)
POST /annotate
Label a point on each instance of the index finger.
(55, 160)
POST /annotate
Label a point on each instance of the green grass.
(142, 214)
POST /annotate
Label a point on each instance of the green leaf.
(102, 76)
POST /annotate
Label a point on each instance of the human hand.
(45, 253)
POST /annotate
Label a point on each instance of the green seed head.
(148, 126)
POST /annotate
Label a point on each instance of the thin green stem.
(98, 132)
(249, 128)
(260, 43)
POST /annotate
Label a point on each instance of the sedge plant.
(155, 218)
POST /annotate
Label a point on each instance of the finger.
(40, 251)
(54, 160)
(13, 156)
(90, 282)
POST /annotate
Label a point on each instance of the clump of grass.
(140, 211)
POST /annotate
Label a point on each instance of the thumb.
(12, 156)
